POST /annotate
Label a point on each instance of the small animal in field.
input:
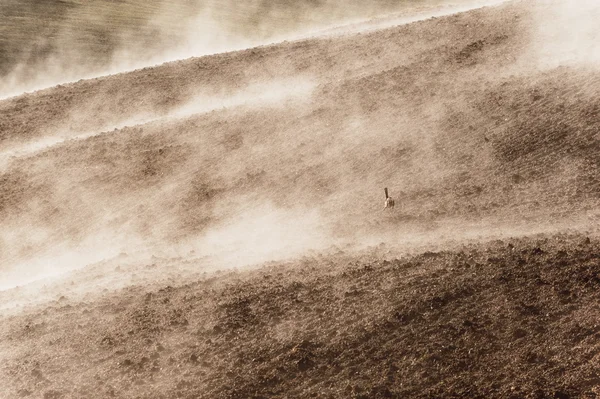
(389, 201)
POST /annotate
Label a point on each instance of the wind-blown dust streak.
(270, 94)
(126, 59)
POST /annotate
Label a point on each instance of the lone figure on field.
(389, 201)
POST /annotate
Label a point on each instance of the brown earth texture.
(214, 227)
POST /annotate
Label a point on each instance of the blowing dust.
(264, 231)
(30, 253)
(566, 33)
(276, 93)
(61, 259)
(83, 41)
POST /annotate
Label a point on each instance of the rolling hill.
(160, 176)
(54, 41)
(445, 112)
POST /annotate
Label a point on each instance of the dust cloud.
(263, 233)
(276, 93)
(566, 33)
(62, 258)
(85, 40)
(26, 255)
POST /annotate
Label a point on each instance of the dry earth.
(282, 151)
(515, 318)
(43, 43)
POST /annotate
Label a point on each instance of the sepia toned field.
(214, 226)
(44, 43)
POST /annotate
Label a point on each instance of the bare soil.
(286, 149)
(49, 42)
(515, 318)
(448, 113)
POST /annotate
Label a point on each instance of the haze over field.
(228, 208)
(201, 150)
(46, 43)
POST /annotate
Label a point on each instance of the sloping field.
(514, 318)
(160, 176)
(43, 43)
(448, 113)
